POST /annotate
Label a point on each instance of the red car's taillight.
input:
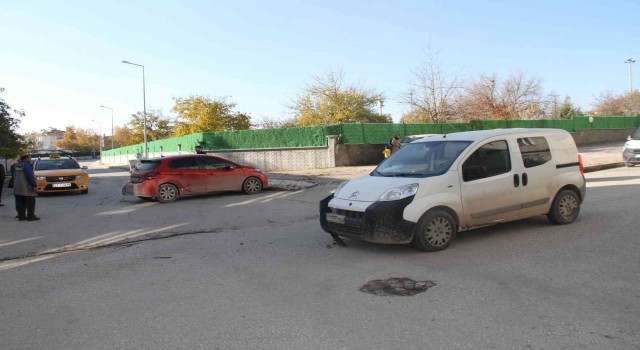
(581, 164)
(150, 176)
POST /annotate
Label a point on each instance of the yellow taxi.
(60, 174)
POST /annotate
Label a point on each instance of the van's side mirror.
(629, 138)
(84, 167)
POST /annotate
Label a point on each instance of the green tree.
(123, 136)
(79, 140)
(566, 110)
(158, 127)
(201, 114)
(11, 143)
(326, 101)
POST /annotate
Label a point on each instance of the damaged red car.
(167, 178)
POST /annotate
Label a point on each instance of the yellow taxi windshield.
(56, 164)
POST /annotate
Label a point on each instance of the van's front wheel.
(565, 208)
(435, 231)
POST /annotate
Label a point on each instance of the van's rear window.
(148, 164)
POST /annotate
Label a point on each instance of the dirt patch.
(401, 286)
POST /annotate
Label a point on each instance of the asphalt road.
(256, 272)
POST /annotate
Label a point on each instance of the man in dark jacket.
(2, 175)
(25, 189)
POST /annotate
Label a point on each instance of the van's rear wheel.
(565, 208)
(435, 231)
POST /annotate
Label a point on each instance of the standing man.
(395, 143)
(2, 175)
(199, 150)
(25, 189)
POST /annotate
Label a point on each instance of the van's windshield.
(422, 159)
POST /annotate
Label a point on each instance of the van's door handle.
(525, 179)
(516, 180)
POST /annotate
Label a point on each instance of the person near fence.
(25, 189)
(395, 143)
(199, 150)
(387, 151)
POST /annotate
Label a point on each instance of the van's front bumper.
(381, 222)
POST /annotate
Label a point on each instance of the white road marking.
(104, 239)
(254, 200)
(20, 241)
(7, 265)
(125, 210)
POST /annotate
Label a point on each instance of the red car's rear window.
(148, 164)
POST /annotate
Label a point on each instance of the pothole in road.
(396, 286)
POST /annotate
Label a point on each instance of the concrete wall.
(265, 159)
(371, 154)
(359, 154)
(594, 136)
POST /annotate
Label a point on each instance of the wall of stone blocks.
(268, 159)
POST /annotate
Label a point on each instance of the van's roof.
(483, 134)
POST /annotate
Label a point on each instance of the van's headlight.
(399, 192)
(41, 178)
(78, 177)
(339, 188)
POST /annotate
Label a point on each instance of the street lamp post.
(111, 123)
(100, 138)
(144, 110)
(630, 62)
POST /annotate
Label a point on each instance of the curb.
(598, 167)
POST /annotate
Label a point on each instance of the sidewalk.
(594, 158)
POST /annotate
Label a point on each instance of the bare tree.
(432, 93)
(618, 105)
(518, 97)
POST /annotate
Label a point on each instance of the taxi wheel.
(167, 193)
(435, 231)
(252, 185)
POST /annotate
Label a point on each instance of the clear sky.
(61, 60)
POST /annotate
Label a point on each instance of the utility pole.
(630, 62)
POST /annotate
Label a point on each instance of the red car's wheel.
(167, 193)
(252, 185)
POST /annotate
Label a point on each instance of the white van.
(434, 187)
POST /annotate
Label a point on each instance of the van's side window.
(489, 160)
(535, 151)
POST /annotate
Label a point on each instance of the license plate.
(61, 185)
(335, 218)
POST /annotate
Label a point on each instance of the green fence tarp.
(316, 136)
